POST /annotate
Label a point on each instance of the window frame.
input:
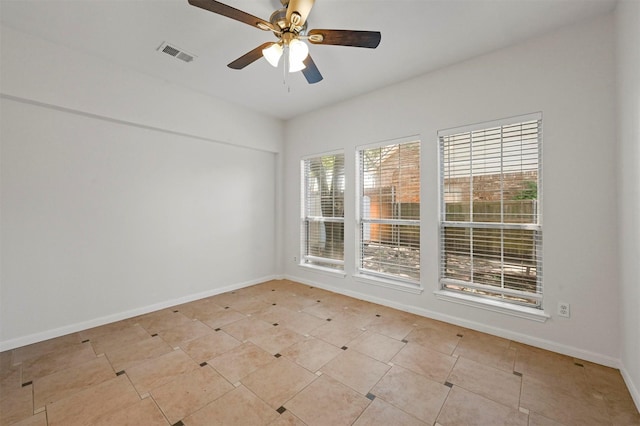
(375, 277)
(305, 259)
(529, 311)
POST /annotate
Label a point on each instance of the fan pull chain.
(285, 68)
(284, 65)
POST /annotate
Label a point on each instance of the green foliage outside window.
(529, 193)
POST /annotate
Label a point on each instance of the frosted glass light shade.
(272, 54)
(298, 51)
(296, 66)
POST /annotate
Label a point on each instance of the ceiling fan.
(289, 25)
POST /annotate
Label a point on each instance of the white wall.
(35, 69)
(628, 57)
(569, 76)
(121, 194)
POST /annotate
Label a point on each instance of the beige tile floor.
(282, 353)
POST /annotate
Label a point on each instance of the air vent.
(170, 50)
(175, 52)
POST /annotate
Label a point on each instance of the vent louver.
(170, 50)
(175, 52)
(184, 56)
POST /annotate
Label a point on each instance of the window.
(490, 224)
(323, 211)
(389, 211)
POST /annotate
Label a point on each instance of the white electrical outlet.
(564, 309)
(295, 259)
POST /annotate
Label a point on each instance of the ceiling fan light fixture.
(272, 54)
(298, 51)
(295, 66)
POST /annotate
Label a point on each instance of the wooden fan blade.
(232, 12)
(310, 71)
(302, 7)
(369, 39)
(249, 57)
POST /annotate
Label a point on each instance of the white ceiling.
(418, 36)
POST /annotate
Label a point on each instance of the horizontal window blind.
(322, 234)
(389, 220)
(490, 227)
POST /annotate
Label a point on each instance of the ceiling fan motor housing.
(279, 20)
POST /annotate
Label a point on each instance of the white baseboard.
(633, 389)
(500, 332)
(84, 325)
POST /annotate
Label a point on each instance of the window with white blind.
(389, 211)
(322, 224)
(490, 221)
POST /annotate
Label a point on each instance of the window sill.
(493, 305)
(323, 270)
(396, 285)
